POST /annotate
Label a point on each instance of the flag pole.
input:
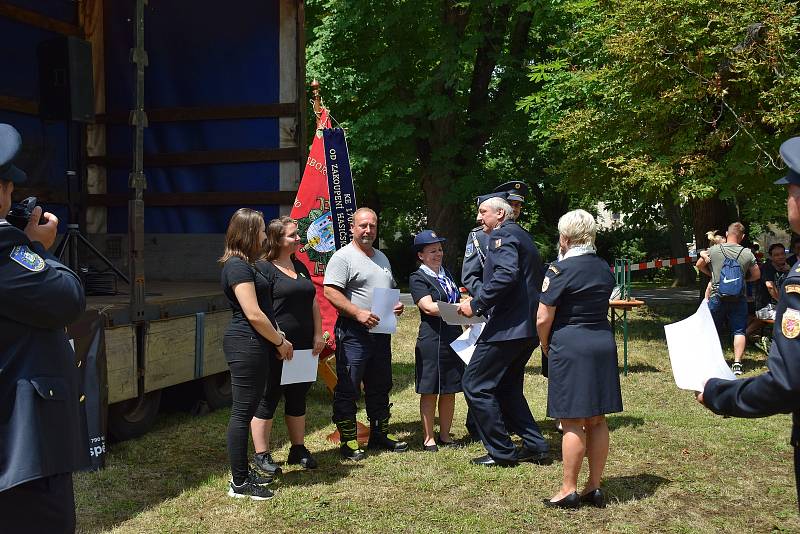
(325, 369)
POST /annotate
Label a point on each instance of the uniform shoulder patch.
(790, 323)
(470, 249)
(27, 258)
(792, 288)
(545, 284)
(498, 242)
(554, 269)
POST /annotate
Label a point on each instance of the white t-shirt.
(356, 274)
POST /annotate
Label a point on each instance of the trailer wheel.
(133, 418)
(217, 390)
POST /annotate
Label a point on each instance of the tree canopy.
(671, 111)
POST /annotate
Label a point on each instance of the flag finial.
(317, 101)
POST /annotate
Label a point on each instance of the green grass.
(673, 467)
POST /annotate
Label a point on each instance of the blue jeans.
(730, 312)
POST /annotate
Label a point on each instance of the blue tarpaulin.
(200, 54)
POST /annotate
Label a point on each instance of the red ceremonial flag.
(312, 211)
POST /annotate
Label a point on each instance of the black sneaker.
(257, 478)
(298, 454)
(264, 462)
(249, 490)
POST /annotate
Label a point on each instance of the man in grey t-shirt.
(730, 311)
(351, 275)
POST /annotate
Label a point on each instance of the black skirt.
(438, 368)
(583, 375)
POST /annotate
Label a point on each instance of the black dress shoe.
(488, 461)
(448, 444)
(572, 500)
(595, 498)
(524, 454)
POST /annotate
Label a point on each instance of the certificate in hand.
(301, 368)
(464, 345)
(449, 314)
(383, 302)
(695, 351)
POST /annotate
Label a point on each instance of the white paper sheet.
(464, 345)
(449, 314)
(301, 368)
(383, 302)
(695, 351)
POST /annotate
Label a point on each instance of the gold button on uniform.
(83, 398)
(51, 392)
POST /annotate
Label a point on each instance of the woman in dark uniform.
(572, 322)
(438, 368)
(297, 315)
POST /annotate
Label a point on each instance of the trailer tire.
(217, 390)
(133, 418)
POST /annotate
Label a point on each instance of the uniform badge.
(470, 250)
(545, 284)
(27, 258)
(790, 324)
(554, 269)
(792, 288)
(498, 242)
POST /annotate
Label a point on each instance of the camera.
(20, 213)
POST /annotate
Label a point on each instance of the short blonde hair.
(578, 226)
(736, 228)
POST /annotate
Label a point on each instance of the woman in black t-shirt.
(249, 343)
(297, 314)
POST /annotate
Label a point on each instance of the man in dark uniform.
(493, 379)
(472, 275)
(43, 436)
(777, 390)
(515, 192)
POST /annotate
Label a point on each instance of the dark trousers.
(797, 474)
(361, 357)
(493, 389)
(248, 359)
(42, 505)
(294, 395)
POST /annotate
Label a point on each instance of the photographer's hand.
(43, 233)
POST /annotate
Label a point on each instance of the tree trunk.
(684, 273)
(708, 214)
(446, 218)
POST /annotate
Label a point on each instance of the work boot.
(348, 437)
(380, 438)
